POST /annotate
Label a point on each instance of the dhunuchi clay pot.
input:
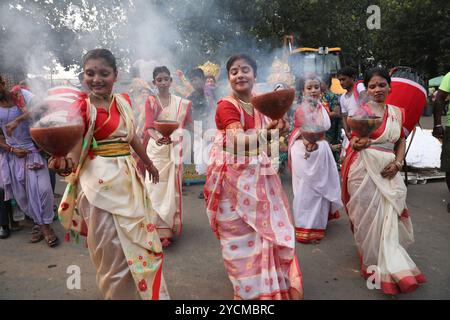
(58, 141)
(166, 127)
(365, 125)
(274, 104)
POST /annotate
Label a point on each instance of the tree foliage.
(413, 32)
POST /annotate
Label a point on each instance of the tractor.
(322, 61)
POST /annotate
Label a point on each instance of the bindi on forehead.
(241, 66)
(377, 79)
(377, 82)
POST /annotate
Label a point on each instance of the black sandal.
(36, 234)
(51, 238)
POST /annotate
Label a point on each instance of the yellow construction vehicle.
(322, 61)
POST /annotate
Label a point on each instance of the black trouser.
(52, 179)
(5, 210)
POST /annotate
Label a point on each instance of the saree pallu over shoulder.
(378, 213)
(68, 214)
(153, 112)
(107, 184)
(166, 196)
(316, 186)
(249, 212)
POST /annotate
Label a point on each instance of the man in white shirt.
(349, 101)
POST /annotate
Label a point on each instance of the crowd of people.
(124, 190)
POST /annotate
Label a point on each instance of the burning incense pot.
(363, 126)
(166, 127)
(274, 104)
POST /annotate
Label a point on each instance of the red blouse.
(106, 122)
(227, 114)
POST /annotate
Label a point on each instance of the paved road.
(194, 267)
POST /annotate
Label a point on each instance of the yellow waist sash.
(112, 149)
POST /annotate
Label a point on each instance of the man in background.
(202, 113)
(439, 131)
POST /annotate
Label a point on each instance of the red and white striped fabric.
(67, 99)
(62, 97)
(411, 97)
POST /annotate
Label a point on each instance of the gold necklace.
(106, 97)
(247, 106)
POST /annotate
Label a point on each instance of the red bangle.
(10, 149)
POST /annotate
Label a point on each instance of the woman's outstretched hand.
(310, 146)
(390, 171)
(281, 125)
(164, 141)
(64, 166)
(10, 127)
(359, 144)
(19, 152)
(153, 172)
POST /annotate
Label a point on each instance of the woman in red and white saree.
(315, 178)
(167, 155)
(105, 198)
(375, 195)
(246, 205)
